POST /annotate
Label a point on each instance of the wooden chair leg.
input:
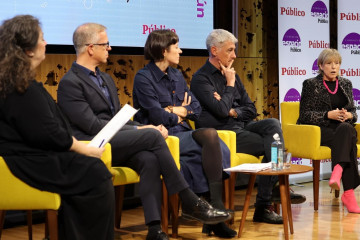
(232, 194)
(164, 209)
(316, 179)
(174, 209)
(277, 208)
(52, 219)
(29, 223)
(119, 201)
(337, 193)
(226, 193)
(2, 220)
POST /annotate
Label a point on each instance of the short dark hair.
(157, 42)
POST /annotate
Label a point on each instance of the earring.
(31, 54)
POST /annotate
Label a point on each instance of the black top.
(35, 139)
(207, 80)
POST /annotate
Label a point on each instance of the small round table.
(284, 194)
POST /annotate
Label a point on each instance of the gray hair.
(218, 37)
(86, 33)
(328, 54)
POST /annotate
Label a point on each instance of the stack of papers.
(249, 167)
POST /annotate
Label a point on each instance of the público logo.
(352, 42)
(320, 11)
(315, 68)
(356, 94)
(292, 96)
(292, 39)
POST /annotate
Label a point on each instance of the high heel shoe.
(220, 230)
(336, 174)
(349, 200)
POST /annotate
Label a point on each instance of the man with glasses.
(89, 99)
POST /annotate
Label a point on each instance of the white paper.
(249, 167)
(113, 126)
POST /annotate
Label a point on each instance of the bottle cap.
(276, 137)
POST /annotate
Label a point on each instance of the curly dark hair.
(17, 35)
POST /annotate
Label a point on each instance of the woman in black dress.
(36, 141)
(327, 101)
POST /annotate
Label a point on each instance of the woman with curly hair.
(36, 141)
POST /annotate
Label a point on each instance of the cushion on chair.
(17, 195)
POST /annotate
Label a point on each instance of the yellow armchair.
(17, 195)
(229, 138)
(303, 141)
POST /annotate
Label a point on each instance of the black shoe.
(266, 214)
(294, 197)
(202, 211)
(159, 235)
(219, 230)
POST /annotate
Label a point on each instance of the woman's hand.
(85, 149)
(340, 115)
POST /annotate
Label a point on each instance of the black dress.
(35, 140)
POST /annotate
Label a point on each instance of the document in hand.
(249, 167)
(113, 126)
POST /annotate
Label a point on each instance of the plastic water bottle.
(277, 153)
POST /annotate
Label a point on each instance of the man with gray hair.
(89, 99)
(227, 106)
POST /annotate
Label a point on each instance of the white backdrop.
(349, 44)
(303, 28)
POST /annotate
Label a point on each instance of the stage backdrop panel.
(303, 32)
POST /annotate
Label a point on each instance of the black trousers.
(146, 152)
(342, 141)
(255, 139)
(89, 215)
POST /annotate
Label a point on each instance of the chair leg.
(232, 194)
(2, 220)
(29, 223)
(316, 179)
(226, 193)
(119, 200)
(164, 209)
(52, 221)
(174, 206)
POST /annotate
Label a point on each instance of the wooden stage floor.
(329, 222)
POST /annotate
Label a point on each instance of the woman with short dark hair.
(161, 93)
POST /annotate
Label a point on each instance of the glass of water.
(287, 160)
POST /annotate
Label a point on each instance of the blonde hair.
(326, 55)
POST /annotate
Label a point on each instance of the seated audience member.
(36, 142)
(327, 101)
(89, 99)
(227, 106)
(161, 94)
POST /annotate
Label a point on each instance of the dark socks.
(188, 197)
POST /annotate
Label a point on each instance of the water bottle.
(276, 153)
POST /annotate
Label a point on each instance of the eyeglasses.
(107, 44)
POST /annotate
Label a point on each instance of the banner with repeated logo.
(349, 44)
(303, 32)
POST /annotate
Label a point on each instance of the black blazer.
(315, 101)
(85, 105)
